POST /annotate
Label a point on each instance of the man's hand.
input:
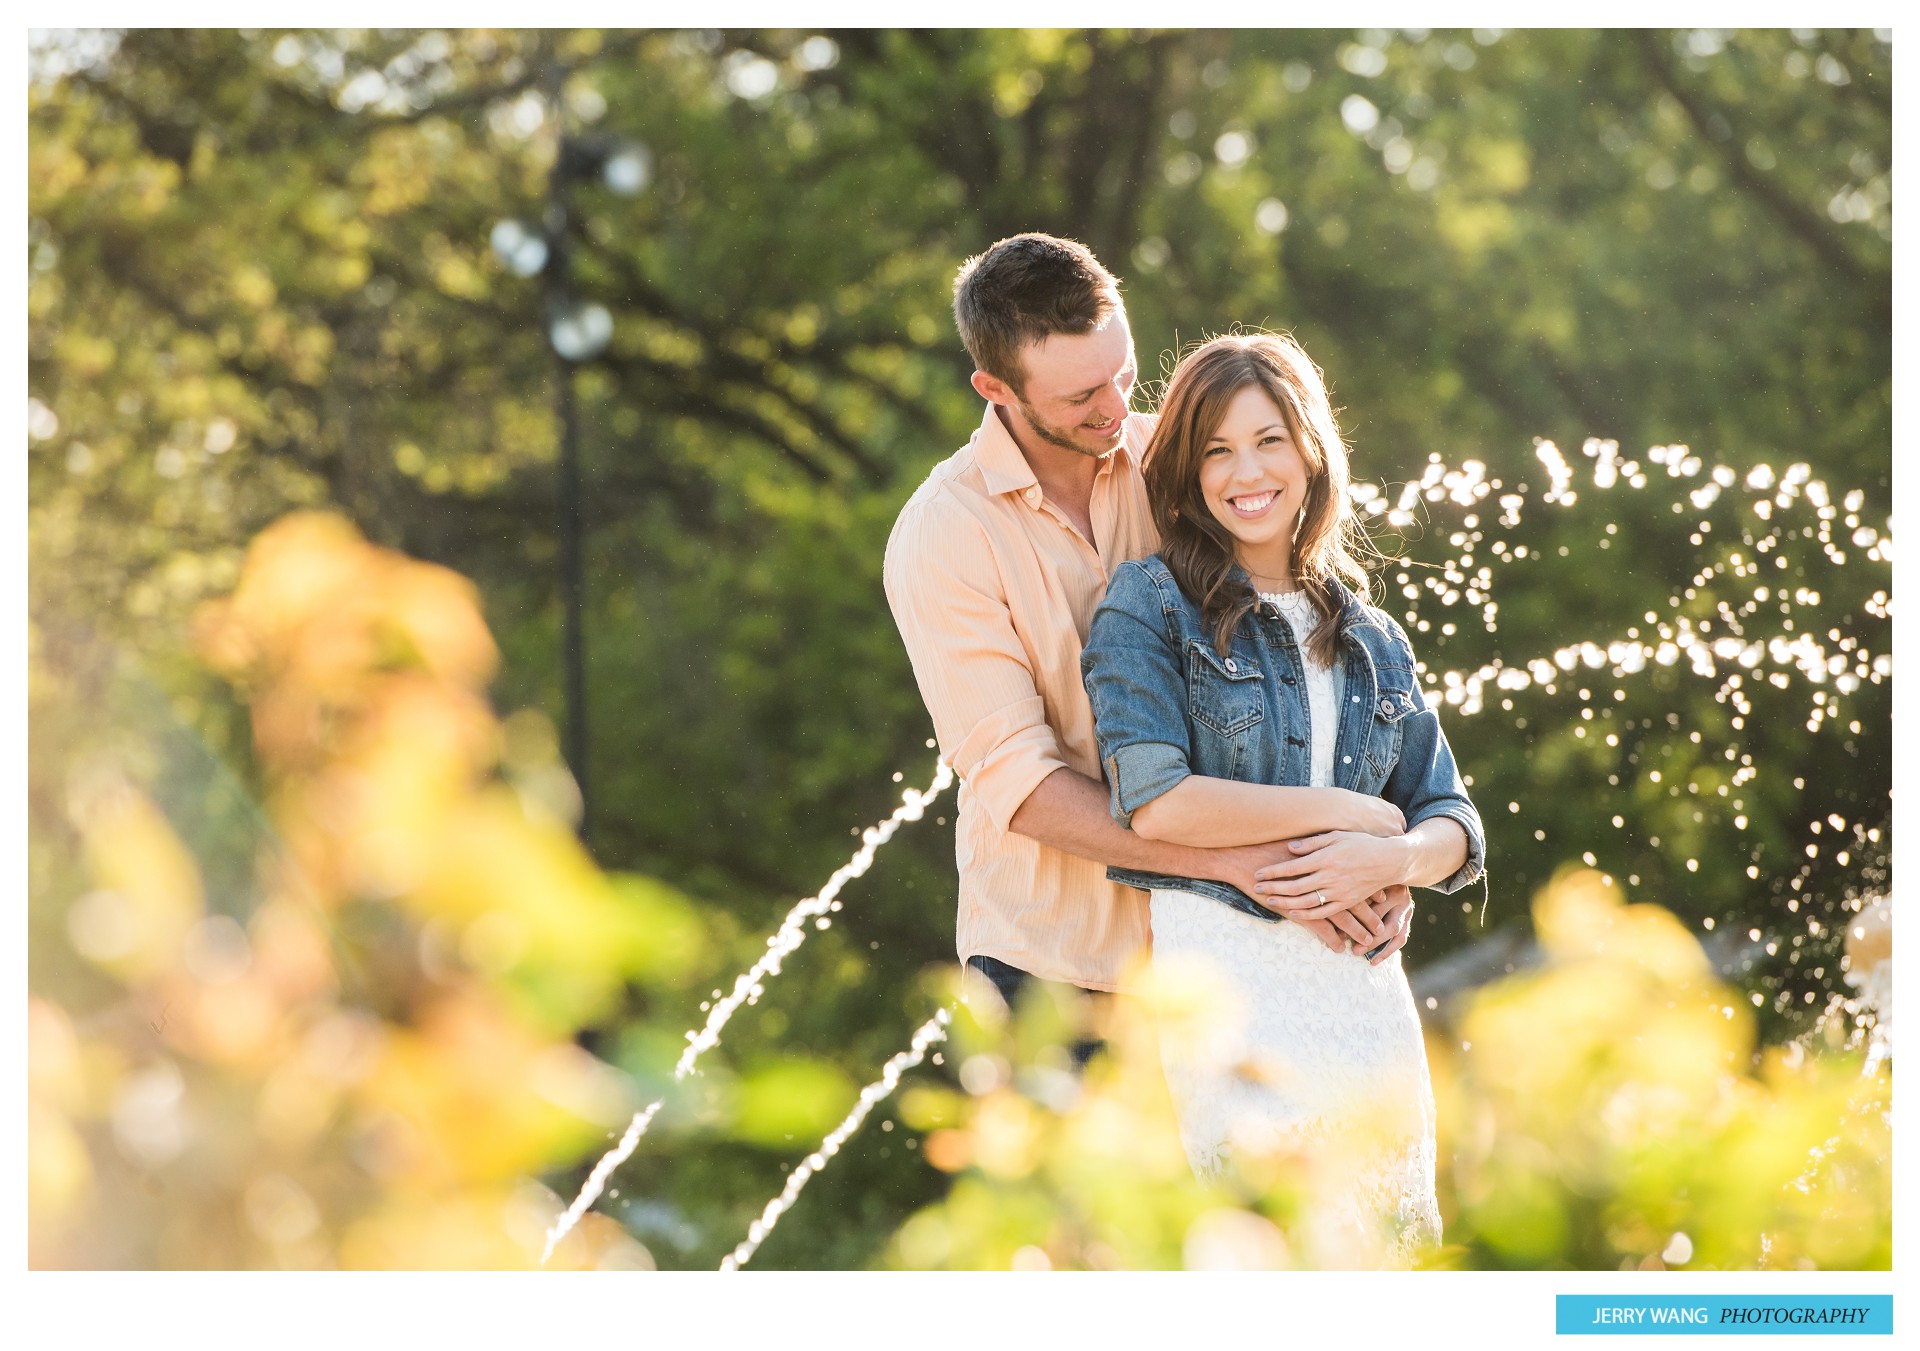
(1392, 908)
(1394, 905)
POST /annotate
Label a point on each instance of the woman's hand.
(1331, 873)
(1370, 815)
(1242, 868)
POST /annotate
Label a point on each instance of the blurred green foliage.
(261, 279)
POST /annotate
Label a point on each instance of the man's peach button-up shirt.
(993, 589)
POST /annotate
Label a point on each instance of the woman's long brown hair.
(1198, 550)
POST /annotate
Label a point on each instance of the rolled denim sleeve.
(1426, 783)
(1131, 666)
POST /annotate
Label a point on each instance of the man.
(993, 571)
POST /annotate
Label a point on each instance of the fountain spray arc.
(748, 989)
(932, 1031)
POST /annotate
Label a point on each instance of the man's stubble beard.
(1064, 440)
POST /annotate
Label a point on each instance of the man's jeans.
(1010, 981)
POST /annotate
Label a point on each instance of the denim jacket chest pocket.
(1224, 694)
(1395, 696)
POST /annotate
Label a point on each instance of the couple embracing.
(1179, 726)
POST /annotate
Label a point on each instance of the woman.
(1243, 693)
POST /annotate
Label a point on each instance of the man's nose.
(1111, 402)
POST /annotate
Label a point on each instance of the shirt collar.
(1004, 469)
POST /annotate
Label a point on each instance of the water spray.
(748, 989)
(931, 1031)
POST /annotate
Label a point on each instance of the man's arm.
(975, 675)
(1069, 811)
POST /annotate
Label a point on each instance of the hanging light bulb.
(580, 331)
(628, 170)
(523, 251)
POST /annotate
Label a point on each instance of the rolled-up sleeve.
(1132, 672)
(1426, 783)
(975, 677)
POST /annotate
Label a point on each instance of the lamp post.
(576, 332)
(559, 309)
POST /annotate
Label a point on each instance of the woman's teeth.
(1251, 506)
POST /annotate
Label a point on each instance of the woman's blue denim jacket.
(1166, 705)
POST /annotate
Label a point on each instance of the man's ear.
(995, 390)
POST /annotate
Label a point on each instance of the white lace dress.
(1304, 1065)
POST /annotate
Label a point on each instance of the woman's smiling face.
(1254, 479)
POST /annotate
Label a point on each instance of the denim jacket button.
(1386, 705)
(1232, 666)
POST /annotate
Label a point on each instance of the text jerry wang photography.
(966, 650)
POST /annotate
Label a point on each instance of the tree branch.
(1800, 220)
(669, 390)
(729, 365)
(1123, 224)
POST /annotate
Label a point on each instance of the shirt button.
(1033, 496)
(1231, 666)
(1356, 698)
(1346, 759)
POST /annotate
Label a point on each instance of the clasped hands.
(1348, 887)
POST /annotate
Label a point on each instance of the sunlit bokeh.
(336, 961)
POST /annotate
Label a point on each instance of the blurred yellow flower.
(365, 1066)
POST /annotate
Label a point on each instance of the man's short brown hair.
(1024, 289)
